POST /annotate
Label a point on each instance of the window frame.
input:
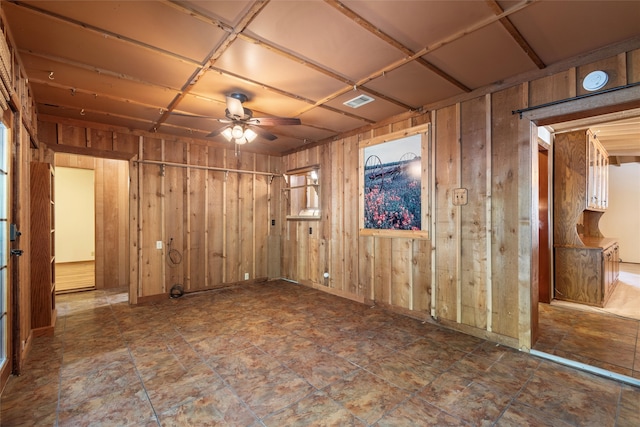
(310, 185)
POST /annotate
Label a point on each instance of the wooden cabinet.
(587, 274)
(43, 292)
(586, 262)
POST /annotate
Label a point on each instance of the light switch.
(159, 244)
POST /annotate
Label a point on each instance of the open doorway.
(75, 229)
(604, 337)
(103, 264)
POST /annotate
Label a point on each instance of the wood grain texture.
(507, 141)
(447, 163)
(474, 147)
(41, 255)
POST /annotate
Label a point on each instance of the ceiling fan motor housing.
(247, 115)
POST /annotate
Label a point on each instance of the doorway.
(75, 229)
(108, 265)
(603, 339)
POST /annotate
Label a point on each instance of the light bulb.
(227, 134)
(250, 135)
(237, 132)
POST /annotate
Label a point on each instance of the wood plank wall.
(213, 222)
(214, 225)
(485, 263)
(477, 273)
(112, 216)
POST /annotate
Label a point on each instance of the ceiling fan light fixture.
(237, 132)
(250, 135)
(227, 134)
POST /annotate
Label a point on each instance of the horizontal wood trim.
(407, 234)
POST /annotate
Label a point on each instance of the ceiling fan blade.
(263, 133)
(234, 107)
(195, 116)
(275, 121)
(216, 132)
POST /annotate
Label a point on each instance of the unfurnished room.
(320, 213)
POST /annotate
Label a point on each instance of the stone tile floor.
(602, 340)
(280, 354)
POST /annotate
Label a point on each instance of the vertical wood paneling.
(447, 163)
(421, 270)
(175, 189)
(232, 228)
(261, 219)
(152, 259)
(383, 271)
(366, 267)
(553, 88)
(633, 66)
(215, 224)
(507, 170)
(107, 259)
(473, 215)
(336, 215)
(302, 254)
(401, 273)
(135, 210)
(197, 211)
(246, 217)
(351, 215)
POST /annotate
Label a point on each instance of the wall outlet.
(246, 276)
(159, 244)
(459, 196)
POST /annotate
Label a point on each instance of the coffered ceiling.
(168, 66)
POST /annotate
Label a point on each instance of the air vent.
(358, 101)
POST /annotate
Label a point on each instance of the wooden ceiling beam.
(515, 34)
(295, 58)
(74, 90)
(450, 39)
(94, 69)
(103, 32)
(212, 57)
(393, 42)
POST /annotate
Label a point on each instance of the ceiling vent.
(358, 101)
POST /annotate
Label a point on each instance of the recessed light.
(595, 80)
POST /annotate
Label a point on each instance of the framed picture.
(394, 184)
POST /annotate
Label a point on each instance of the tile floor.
(602, 340)
(280, 354)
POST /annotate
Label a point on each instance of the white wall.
(622, 218)
(75, 214)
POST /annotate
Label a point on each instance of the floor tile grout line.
(135, 366)
(222, 379)
(518, 394)
(511, 402)
(57, 422)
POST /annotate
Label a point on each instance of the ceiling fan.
(242, 126)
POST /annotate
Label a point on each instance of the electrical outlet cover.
(459, 196)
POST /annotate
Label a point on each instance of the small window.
(303, 193)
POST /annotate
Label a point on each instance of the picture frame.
(394, 184)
